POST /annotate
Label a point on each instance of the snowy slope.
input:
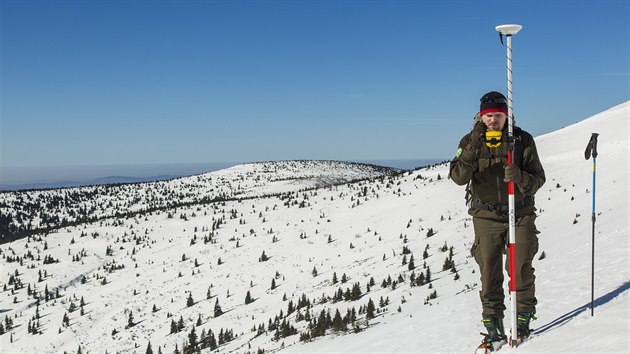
(53, 208)
(563, 278)
(357, 229)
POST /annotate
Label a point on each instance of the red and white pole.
(509, 31)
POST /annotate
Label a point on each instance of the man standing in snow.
(481, 162)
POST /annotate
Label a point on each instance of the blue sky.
(142, 82)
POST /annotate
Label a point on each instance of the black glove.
(470, 152)
(478, 135)
(513, 174)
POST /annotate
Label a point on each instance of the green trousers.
(491, 243)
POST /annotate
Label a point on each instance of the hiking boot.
(494, 326)
(522, 324)
(495, 338)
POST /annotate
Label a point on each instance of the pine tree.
(190, 301)
(192, 339)
(248, 298)
(420, 279)
(370, 310)
(447, 264)
(291, 308)
(356, 292)
(130, 321)
(212, 341)
(338, 324)
(217, 309)
(173, 327)
(203, 339)
(263, 257)
(180, 323)
(149, 350)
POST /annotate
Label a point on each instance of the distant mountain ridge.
(138, 174)
(109, 200)
(85, 182)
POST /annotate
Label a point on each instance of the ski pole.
(509, 31)
(591, 148)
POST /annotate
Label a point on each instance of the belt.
(501, 208)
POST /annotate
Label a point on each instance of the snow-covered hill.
(25, 212)
(139, 276)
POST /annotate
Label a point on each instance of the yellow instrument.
(493, 138)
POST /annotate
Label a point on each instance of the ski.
(490, 346)
(519, 341)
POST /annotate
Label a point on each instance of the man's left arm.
(533, 174)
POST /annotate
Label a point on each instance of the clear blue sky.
(131, 82)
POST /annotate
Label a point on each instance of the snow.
(375, 215)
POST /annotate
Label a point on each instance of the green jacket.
(486, 172)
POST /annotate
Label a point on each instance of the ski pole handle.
(591, 148)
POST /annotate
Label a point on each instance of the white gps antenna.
(509, 30)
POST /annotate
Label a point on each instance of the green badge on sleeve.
(458, 152)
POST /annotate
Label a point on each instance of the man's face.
(494, 120)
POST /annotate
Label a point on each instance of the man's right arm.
(465, 163)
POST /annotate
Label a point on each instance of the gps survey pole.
(591, 149)
(509, 31)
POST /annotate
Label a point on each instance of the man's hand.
(478, 135)
(513, 174)
(470, 153)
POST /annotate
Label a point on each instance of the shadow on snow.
(570, 315)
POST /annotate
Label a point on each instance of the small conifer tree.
(248, 298)
(369, 314)
(217, 309)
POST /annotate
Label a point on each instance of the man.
(481, 162)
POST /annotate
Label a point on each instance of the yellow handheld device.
(493, 138)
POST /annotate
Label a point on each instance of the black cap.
(493, 101)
